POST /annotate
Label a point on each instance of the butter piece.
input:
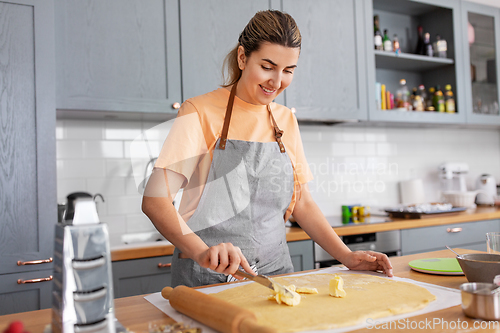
(337, 287)
(291, 299)
(306, 290)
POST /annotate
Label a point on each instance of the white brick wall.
(350, 165)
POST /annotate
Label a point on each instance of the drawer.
(15, 297)
(141, 276)
(454, 235)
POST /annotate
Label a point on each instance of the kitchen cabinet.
(16, 297)
(150, 275)
(302, 254)
(441, 17)
(118, 55)
(141, 276)
(209, 30)
(481, 33)
(28, 159)
(471, 235)
(330, 81)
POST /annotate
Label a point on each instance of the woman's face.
(266, 72)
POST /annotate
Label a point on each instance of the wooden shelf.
(409, 62)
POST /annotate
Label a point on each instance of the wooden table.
(135, 312)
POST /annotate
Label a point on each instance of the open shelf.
(409, 62)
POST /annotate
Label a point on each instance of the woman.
(240, 160)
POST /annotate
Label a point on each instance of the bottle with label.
(430, 100)
(438, 100)
(395, 45)
(423, 95)
(387, 42)
(440, 47)
(427, 45)
(449, 100)
(418, 105)
(420, 43)
(377, 34)
(402, 98)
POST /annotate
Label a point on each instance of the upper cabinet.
(118, 55)
(209, 30)
(402, 19)
(330, 80)
(481, 35)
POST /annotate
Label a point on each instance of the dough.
(367, 297)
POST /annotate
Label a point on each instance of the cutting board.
(440, 266)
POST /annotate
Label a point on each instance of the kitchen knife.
(265, 281)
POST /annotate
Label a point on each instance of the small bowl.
(460, 199)
(480, 267)
(479, 302)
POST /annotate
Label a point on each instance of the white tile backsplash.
(351, 165)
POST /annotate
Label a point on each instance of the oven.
(388, 242)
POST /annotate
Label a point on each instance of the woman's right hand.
(224, 258)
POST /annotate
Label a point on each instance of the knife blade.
(264, 280)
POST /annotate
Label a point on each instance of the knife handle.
(213, 312)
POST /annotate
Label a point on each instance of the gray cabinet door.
(27, 135)
(302, 254)
(330, 80)
(482, 54)
(17, 297)
(118, 55)
(141, 276)
(209, 30)
(471, 235)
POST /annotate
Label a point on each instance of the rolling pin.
(213, 312)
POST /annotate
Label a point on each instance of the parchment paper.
(445, 298)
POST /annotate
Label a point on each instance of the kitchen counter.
(135, 312)
(374, 224)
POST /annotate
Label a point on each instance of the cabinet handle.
(19, 281)
(176, 105)
(34, 262)
(160, 265)
(453, 230)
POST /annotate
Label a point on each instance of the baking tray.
(396, 213)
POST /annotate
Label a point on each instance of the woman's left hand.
(368, 261)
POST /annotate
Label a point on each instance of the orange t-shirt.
(189, 145)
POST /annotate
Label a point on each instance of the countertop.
(135, 312)
(373, 224)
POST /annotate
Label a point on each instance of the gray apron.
(248, 190)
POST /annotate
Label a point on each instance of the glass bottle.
(387, 42)
(395, 44)
(402, 99)
(449, 100)
(377, 34)
(438, 100)
(423, 94)
(440, 47)
(420, 43)
(427, 45)
(430, 100)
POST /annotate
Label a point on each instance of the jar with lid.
(402, 99)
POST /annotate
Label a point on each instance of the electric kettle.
(487, 190)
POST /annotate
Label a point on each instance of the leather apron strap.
(227, 118)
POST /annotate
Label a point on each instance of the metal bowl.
(480, 267)
(479, 302)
